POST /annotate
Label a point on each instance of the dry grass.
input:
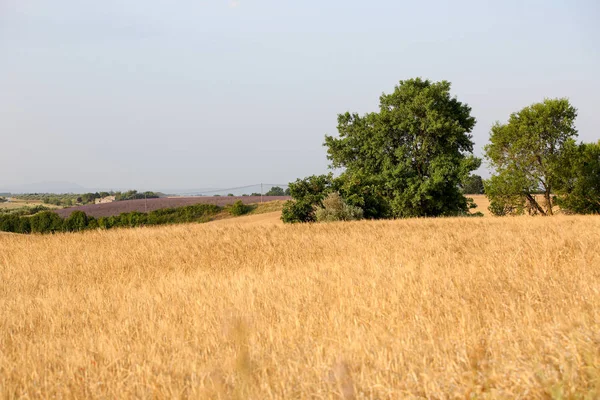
(482, 203)
(446, 308)
(261, 219)
(18, 203)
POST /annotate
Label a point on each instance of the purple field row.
(119, 207)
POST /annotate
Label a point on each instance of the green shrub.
(335, 209)
(297, 211)
(48, 222)
(92, 223)
(45, 222)
(308, 193)
(76, 222)
(239, 208)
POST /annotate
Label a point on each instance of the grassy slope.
(436, 308)
(18, 203)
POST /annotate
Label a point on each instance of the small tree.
(528, 154)
(46, 222)
(335, 209)
(308, 193)
(473, 184)
(275, 191)
(77, 221)
(239, 208)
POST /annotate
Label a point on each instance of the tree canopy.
(275, 191)
(413, 153)
(579, 186)
(528, 154)
(472, 184)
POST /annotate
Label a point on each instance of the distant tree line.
(414, 158)
(50, 222)
(70, 199)
(274, 191)
(64, 200)
(135, 195)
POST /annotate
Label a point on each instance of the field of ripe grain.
(19, 203)
(423, 308)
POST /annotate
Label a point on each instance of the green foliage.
(45, 222)
(412, 154)
(472, 184)
(308, 193)
(64, 200)
(77, 221)
(25, 210)
(9, 223)
(295, 212)
(239, 208)
(3, 200)
(134, 195)
(335, 209)
(364, 192)
(528, 154)
(275, 191)
(579, 188)
(49, 222)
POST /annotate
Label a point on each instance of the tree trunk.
(548, 202)
(535, 204)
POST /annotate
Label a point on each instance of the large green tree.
(528, 155)
(414, 152)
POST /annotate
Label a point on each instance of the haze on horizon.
(219, 93)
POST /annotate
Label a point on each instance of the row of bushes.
(50, 222)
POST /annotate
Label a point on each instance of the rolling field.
(250, 308)
(19, 203)
(118, 207)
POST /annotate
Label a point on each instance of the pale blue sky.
(216, 93)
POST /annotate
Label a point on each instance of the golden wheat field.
(423, 308)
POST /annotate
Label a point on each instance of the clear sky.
(218, 93)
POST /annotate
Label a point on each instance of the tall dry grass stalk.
(446, 308)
